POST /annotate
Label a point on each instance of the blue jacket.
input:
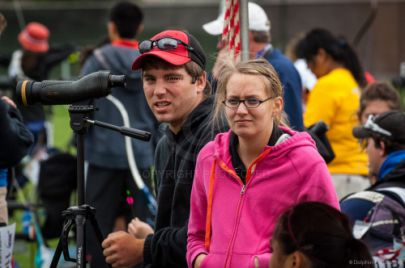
(292, 88)
(392, 173)
(105, 147)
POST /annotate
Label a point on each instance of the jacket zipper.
(231, 244)
(240, 202)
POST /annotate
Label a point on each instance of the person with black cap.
(174, 80)
(384, 139)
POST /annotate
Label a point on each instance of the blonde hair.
(258, 67)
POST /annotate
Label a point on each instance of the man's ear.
(112, 31)
(201, 82)
(383, 149)
(140, 29)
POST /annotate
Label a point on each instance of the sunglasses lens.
(167, 44)
(145, 46)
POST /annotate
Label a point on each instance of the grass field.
(61, 127)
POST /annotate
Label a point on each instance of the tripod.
(78, 215)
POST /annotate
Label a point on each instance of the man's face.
(171, 95)
(374, 107)
(375, 157)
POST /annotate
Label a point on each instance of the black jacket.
(175, 161)
(15, 138)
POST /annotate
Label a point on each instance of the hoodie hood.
(120, 58)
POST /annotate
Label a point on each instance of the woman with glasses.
(335, 101)
(248, 176)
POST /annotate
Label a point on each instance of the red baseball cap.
(34, 37)
(188, 49)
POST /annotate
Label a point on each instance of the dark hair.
(337, 47)
(127, 17)
(390, 146)
(192, 68)
(321, 233)
(379, 91)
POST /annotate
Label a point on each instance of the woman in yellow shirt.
(335, 100)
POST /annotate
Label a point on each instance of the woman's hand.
(199, 260)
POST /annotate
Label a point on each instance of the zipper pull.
(243, 189)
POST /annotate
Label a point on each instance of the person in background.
(313, 234)
(15, 141)
(384, 139)
(308, 80)
(260, 47)
(335, 101)
(232, 214)
(175, 85)
(377, 98)
(109, 179)
(34, 61)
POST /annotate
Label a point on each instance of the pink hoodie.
(242, 217)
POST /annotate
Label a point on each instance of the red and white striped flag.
(231, 31)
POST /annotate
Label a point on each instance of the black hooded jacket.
(175, 161)
(15, 138)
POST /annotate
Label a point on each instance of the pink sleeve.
(198, 208)
(318, 186)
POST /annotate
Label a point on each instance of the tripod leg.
(80, 240)
(97, 231)
(62, 244)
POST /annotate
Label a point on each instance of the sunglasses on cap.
(166, 44)
(370, 125)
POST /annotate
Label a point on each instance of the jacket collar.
(390, 165)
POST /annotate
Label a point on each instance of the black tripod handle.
(131, 132)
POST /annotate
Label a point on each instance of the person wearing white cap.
(260, 47)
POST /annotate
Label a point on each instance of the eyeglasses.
(166, 43)
(249, 103)
(370, 125)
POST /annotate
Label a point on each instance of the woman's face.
(318, 64)
(246, 122)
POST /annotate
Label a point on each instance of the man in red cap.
(175, 86)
